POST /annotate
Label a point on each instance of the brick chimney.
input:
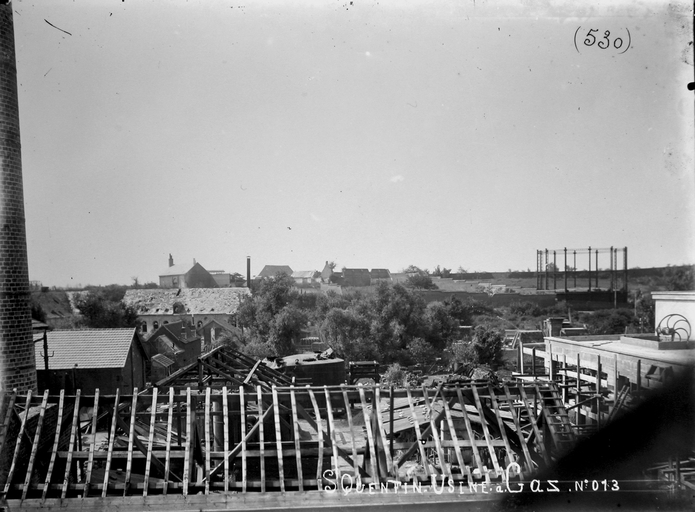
(17, 364)
(248, 271)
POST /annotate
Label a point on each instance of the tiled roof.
(163, 338)
(177, 270)
(196, 301)
(304, 274)
(380, 273)
(272, 270)
(88, 348)
(355, 272)
(162, 360)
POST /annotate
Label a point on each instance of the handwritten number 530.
(603, 43)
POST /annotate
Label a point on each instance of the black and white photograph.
(347, 254)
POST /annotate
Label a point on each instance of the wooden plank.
(167, 459)
(150, 441)
(486, 431)
(92, 447)
(435, 434)
(469, 430)
(534, 424)
(242, 409)
(253, 370)
(412, 449)
(261, 438)
(334, 444)
(297, 450)
(71, 445)
(208, 441)
(218, 371)
(391, 436)
(418, 433)
(112, 437)
(348, 413)
(382, 432)
(370, 437)
(8, 417)
(131, 435)
(189, 442)
(35, 445)
(319, 432)
(225, 421)
(54, 450)
(503, 431)
(18, 443)
(3, 432)
(233, 453)
(278, 440)
(452, 431)
(345, 456)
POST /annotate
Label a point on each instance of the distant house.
(270, 271)
(157, 307)
(178, 342)
(356, 277)
(227, 279)
(89, 359)
(380, 274)
(327, 272)
(186, 276)
(306, 277)
(212, 332)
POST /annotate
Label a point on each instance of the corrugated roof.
(196, 301)
(88, 348)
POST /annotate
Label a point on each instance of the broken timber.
(268, 439)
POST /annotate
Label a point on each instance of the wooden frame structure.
(257, 439)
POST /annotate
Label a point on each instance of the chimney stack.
(171, 260)
(248, 271)
(17, 364)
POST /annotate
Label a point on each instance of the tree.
(441, 272)
(609, 321)
(274, 317)
(487, 347)
(680, 278)
(99, 311)
(422, 352)
(645, 312)
(37, 312)
(420, 281)
(412, 269)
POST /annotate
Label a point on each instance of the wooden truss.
(226, 366)
(261, 439)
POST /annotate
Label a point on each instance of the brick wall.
(17, 365)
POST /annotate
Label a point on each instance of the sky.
(375, 134)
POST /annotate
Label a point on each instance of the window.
(155, 325)
(143, 327)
